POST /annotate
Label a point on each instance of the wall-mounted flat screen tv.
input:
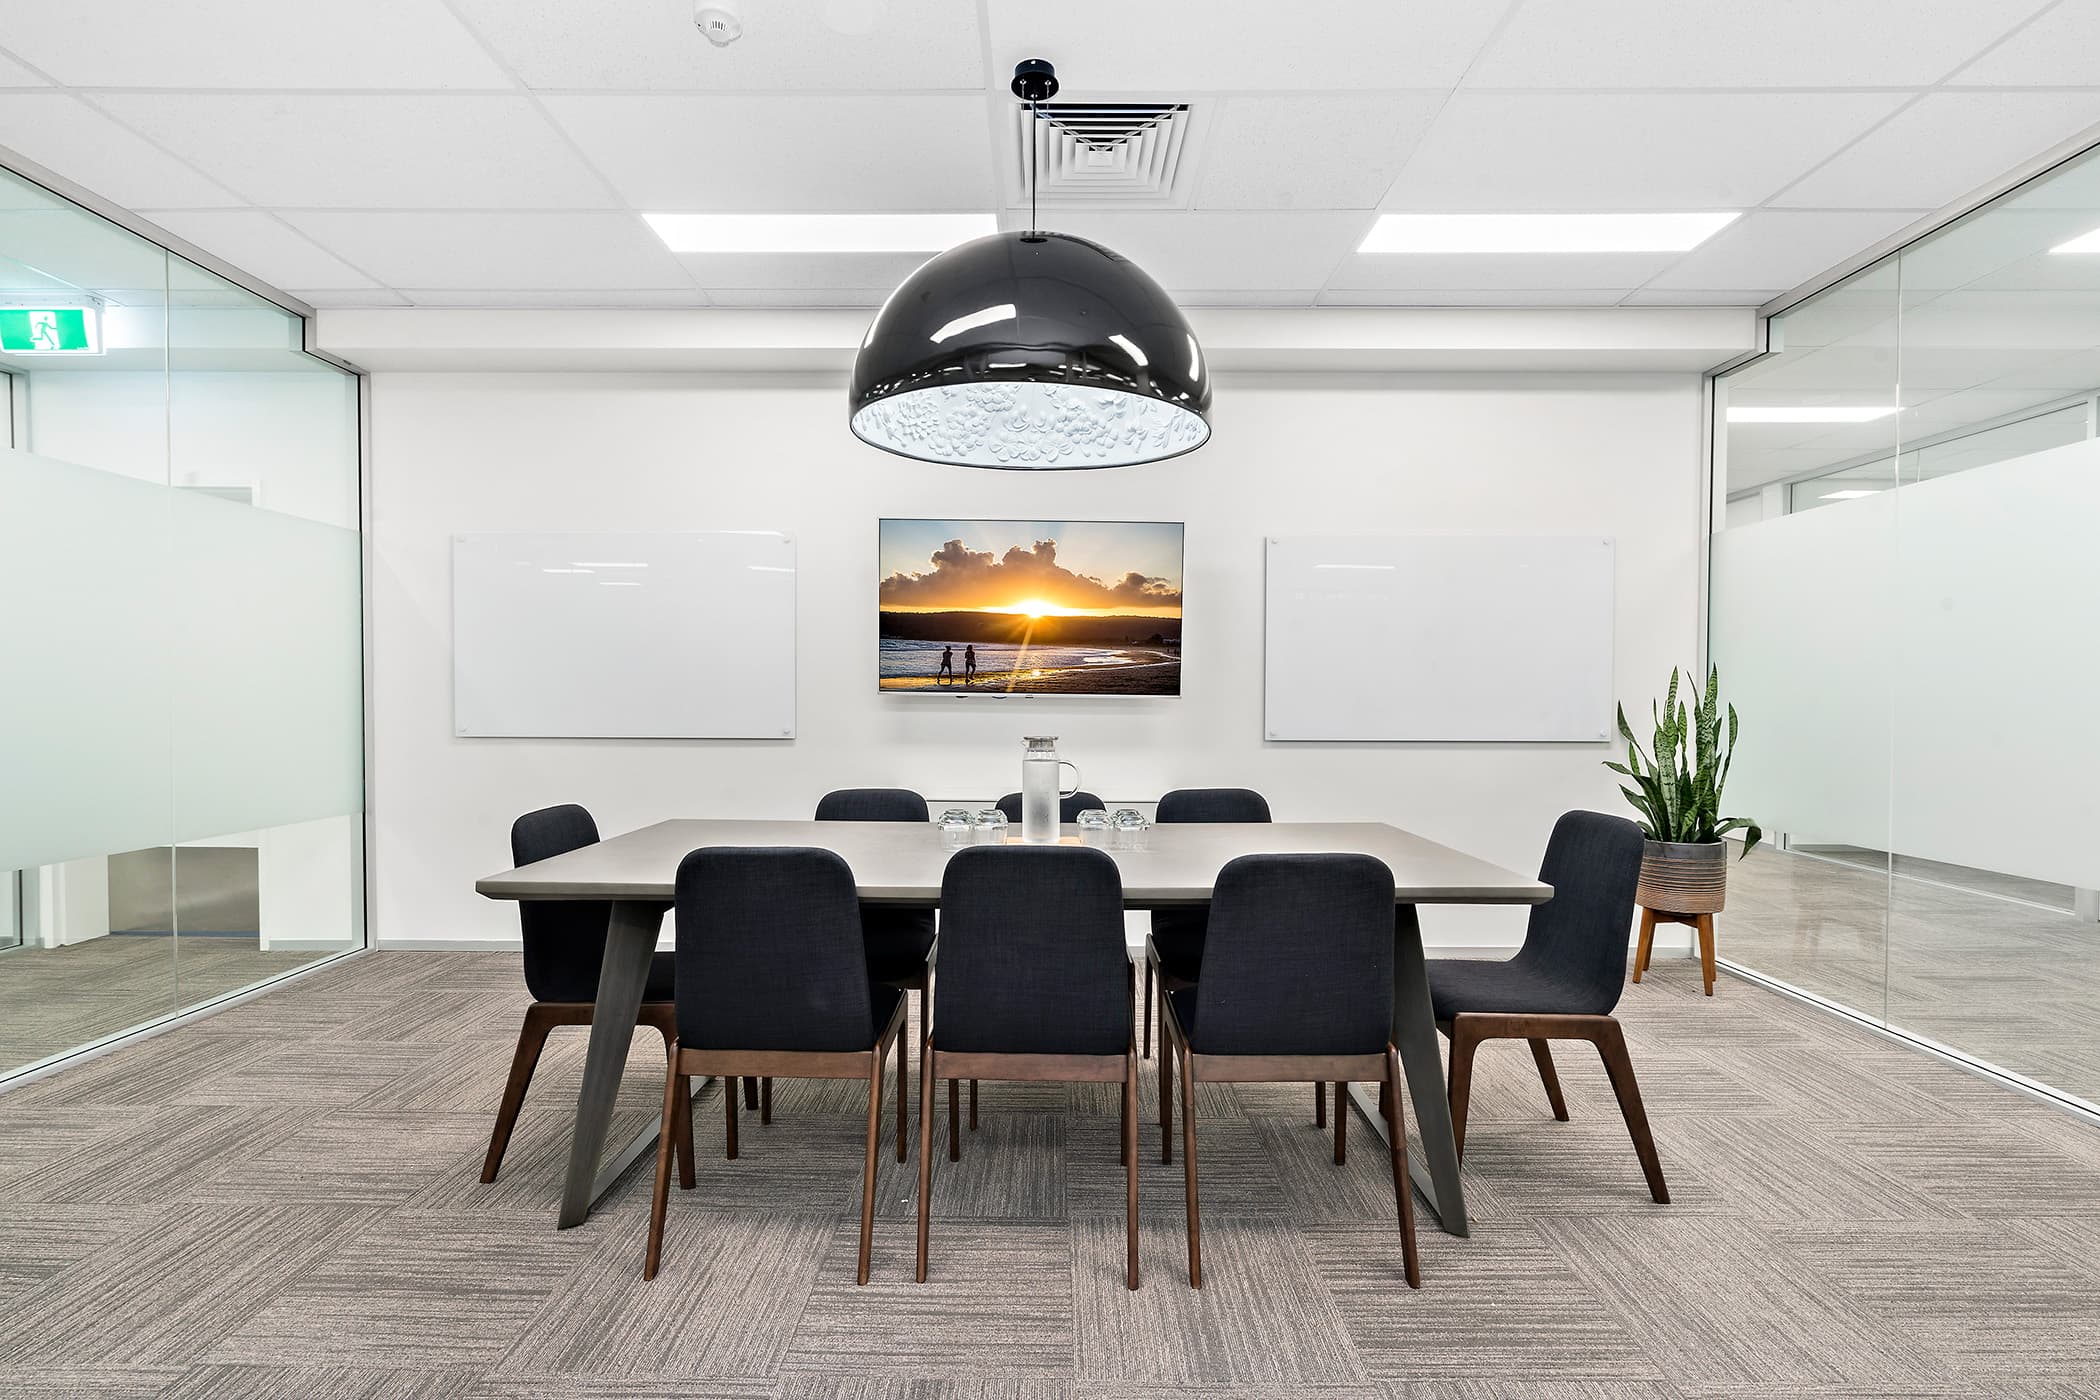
(1030, 607)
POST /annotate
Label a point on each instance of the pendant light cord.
(1035, 162)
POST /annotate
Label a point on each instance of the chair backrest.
(1298, 959)
(1032, 956)
(1068, 808)
(873, 805)
(1213, 805)
(769, 951)
(564, 938)
(1578, 938)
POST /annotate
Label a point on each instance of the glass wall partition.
(1905, 581)
(181, 724)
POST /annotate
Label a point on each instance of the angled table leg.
(1414, 1035)
(630, 943)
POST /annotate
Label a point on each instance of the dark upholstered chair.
(1068, 808)
(564, 944)
(1564, 981)
(1297, 986)
(1174, 952)
(899, 941)
(773, 979)
(1034, 984)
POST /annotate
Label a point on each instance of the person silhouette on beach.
(970, 664)
(947, 665)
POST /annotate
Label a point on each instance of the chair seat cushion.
(1177, 940)
(1458, 985)
(898, 941)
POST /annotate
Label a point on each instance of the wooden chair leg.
(954, 1123)
(1640, 956)
(729, 1091)
(686, 1178)
(1341, 1123)
(765, 1101)
(1461, 1077)
(1544, 1056)
(902, 1112)
(973, 1105)
(1188, 1165)
(532, 1036)
(1148, 1008)
(1611, 1045)
(926, 1058)
(867, 1182)
(1319, 1103)
(1166, 1091)
(1706, 950)
(1393, 1102)
(667, 1134)
(751, 1091)
(1130, 1202)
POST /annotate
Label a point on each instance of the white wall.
(1616, 455)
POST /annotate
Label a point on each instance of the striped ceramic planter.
(1684, 877)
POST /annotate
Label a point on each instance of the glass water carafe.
(1041, 789)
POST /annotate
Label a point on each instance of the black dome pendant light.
(1031, 351)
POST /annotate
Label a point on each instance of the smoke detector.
(722, 22)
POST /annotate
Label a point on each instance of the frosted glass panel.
(1998, 589)
(265, 693)
(1799, 634)
(83, 725)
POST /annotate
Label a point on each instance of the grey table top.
(901, 862)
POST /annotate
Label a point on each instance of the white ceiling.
(498, 152)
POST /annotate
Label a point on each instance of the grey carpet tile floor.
(282, 1200)
(53, 999)
(2010, 982)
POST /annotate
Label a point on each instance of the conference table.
(900, 863)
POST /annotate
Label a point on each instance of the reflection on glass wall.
(1905, 587)
(181, 723)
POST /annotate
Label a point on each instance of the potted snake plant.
(1676, 789)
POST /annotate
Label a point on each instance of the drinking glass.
(1129, 827)
(955, 828)
(991, 827)
(1093, 827)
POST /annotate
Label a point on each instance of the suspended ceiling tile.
(1246, 45)
(419, 151)
(1741, 43)
(1782, 248)
(261, 246)
(251, 44)
(788, 45)
(1221, 251)
(1615, 272)
(14, 75)
(568, 298)
(1701, 296)
(66, 135)
(473, 250)
(1295, 152)
(1553, 152)
(2060, 48)
(785, 153)
(1305, 296)
(1943, 147)
(872, 271)
(798, 296)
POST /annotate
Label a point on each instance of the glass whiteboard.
(1439, 638)
(624, 636)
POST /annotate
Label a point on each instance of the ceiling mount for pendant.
(1031, 351)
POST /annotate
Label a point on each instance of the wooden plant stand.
(1704, 923)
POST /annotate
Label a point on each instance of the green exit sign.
(60, 330)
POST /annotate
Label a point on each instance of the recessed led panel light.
(2083, 243)
(1848, 495)
(1809, 413)
(1541, 233)
(819, 233)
